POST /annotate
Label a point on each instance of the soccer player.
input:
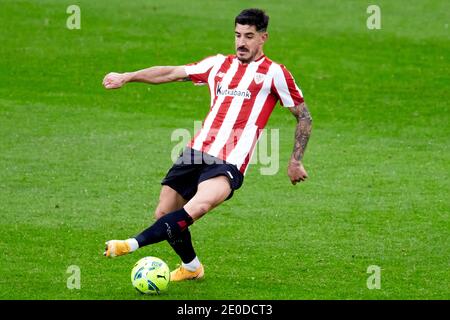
(244, 89)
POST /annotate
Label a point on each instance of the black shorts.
(193, 167)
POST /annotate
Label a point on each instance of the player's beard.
(251, 55)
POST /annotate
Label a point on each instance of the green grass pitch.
(80, 165)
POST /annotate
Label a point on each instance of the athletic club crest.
(259, 77)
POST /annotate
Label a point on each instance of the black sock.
(182, 244)
(167, 227)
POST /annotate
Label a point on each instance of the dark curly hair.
(253, 17)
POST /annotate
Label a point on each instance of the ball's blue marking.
(152, 286)
(138, 273)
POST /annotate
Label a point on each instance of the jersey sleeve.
(198, 72)
(285, 88)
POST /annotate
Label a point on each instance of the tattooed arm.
(296, 171)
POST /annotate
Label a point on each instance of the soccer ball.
(150, 275)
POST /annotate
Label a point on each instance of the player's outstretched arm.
(296, 171)
(153, 75)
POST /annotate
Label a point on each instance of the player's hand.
(296, 172)
(114, 80)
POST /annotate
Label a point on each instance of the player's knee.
(202, 208)
(159, 213)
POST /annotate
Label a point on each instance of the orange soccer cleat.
(180, 274)
(115, 248)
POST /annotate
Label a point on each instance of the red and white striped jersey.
(242, 99)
